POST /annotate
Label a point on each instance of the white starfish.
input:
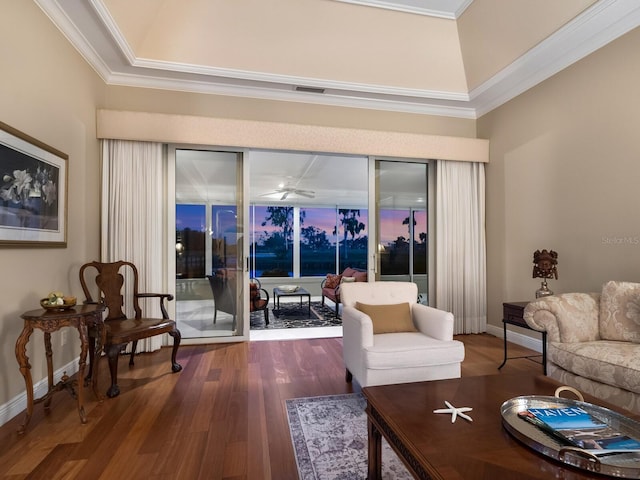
(455, 412)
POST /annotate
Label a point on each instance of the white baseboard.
(18, 404)
(517, 338)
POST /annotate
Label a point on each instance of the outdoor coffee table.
(434, 448)
(299, 292)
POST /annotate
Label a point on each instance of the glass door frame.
(242, 270)
(373, 243)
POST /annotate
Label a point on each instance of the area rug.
(290, 315)
(329, 436)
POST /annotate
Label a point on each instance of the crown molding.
(597, 26)
(90, 29)
(417, 7)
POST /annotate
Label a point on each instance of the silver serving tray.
(622, 465)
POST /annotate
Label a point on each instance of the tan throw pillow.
(389, 318)
(620, 311)
(348, 279)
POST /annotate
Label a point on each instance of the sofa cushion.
(406, 350)
(348, 272)
(608, 362)
(332, 280)
(620, 311)
(389, 318)
(360, 276)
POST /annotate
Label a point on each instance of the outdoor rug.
(329, 436)
(291, 315)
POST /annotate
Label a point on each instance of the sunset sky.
(193, 217)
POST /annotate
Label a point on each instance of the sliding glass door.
(209, 243)
(401, 228)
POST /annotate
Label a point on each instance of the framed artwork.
(33, 191)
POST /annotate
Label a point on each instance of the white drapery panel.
(133, 204)
(460, 244)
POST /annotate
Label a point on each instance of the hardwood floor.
(222, 417)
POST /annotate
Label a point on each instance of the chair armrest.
(433, 322)
(162, 297)
(357, 329)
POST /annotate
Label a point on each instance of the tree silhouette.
(282, 217)
(351, 223)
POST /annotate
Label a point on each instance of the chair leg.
(113, 352)
(266, 316)
(215, 315)
(348, 377)
(177, 336)
(134, 346)
(337, 310)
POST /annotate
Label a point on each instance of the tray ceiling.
(459, 58)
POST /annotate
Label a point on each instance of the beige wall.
(563, 174)
(48, 92)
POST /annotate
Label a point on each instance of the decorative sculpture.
(545, 266)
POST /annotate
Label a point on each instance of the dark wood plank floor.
(222, 417)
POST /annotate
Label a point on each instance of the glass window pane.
(419, 242)
(394, 241)
(352, 237)
(190, 240)
(223, 237)
(317, 241)
(273, 241)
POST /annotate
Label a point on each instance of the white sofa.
(427, 353)
(593, 340)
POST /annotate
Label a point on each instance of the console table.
(81, 317)
(512, 314)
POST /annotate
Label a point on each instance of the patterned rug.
(329, 436)
(290, 315)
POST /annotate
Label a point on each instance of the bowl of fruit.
(58, 301)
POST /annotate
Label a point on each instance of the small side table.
(80, 317)
(300, 292)
(512, 313)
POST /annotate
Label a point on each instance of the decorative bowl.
(70, 303)
(288, 288)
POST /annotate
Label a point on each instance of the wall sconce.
(545, 266)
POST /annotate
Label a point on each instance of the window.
(352, 228)
(190, 240)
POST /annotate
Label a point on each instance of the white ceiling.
(486, 51)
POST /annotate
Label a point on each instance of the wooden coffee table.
(434, 448)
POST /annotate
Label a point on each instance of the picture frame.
(33, 191)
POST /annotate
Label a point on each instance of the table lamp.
(544, 266)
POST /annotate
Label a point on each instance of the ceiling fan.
(290, 190)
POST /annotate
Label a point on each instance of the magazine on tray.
(576, 427)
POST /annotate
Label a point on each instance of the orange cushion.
(391, 318)
(332, 281)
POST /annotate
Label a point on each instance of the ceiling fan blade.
(286, 194)
(269, 194)
(304, 193)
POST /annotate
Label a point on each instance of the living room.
(563, 164)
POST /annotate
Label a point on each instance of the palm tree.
(351, 223)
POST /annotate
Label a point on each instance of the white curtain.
(133, 217)
(460, 244)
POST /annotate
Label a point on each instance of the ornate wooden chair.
(120, 329)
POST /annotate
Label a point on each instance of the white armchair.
(429, 352)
